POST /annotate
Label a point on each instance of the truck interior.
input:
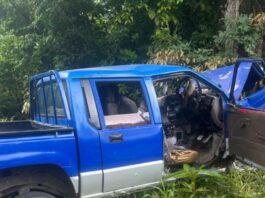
(123, 104)
(192, 116)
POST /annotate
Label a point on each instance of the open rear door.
(247, 134)
(246, 127)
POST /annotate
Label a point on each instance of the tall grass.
(201, 183)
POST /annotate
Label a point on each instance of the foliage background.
(39, 35)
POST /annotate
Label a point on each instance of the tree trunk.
(232, 8)
(232, 11)
(261, 47)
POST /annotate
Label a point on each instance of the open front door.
(246, 125)
(247, 134)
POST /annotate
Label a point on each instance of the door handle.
(114, 138)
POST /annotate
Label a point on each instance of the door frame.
(98, 102)
(150, 170)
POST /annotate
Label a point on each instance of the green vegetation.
(39, 35)
(202, 183)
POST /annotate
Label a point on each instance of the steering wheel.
(191, 92)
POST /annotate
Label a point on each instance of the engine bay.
(192, 118)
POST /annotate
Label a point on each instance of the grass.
(203, 183)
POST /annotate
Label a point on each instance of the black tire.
(35, 185)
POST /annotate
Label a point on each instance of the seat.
(117, 104)
(127, 106)
(110, 105)
(216, 111)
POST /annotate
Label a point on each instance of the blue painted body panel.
(88, 137)
(34, 150)
(256, 100)
(124, 71)
(223, 76)
(140, 145)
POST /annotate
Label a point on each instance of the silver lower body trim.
(91, 182)
(127, 190)
(122, 191)
(120, 179)
(75, 182)
(132, 175)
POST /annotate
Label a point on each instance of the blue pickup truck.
(100, 131)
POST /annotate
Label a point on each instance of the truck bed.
(29, 127)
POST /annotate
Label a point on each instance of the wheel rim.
(30, 192)
(35, 194)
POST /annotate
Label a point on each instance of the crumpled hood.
(223, 76)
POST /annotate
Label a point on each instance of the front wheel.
(35, 184)
(34, 194)
(31, 191)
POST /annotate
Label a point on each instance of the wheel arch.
(49, 169)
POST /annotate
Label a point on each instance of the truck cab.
(115, 129)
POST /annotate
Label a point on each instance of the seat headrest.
(111, 97)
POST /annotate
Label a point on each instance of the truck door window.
(123, 104)
(91, 108)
